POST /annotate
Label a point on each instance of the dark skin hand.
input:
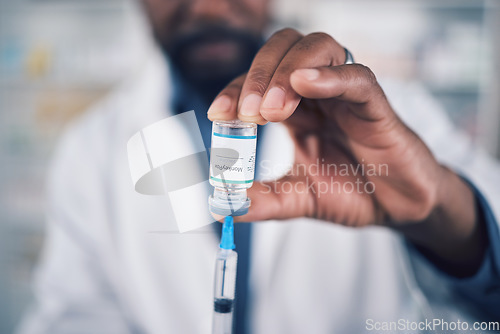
(340, 115)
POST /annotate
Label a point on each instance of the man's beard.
(210, 76)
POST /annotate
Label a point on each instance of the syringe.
(225, 280)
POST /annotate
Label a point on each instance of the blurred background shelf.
(450, 46)
(59, 57)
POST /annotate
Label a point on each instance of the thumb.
(288, 197)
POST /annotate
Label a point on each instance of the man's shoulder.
(131, 105)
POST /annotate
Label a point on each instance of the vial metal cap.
(228, 204)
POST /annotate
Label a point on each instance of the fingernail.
(275, 99)
(251, 105)
(220, 105)
(308, 73)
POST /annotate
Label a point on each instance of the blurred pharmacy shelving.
(451, 46)
(57, 57)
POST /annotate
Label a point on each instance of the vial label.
(233, 158)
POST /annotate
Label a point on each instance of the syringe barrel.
(222, 323)
(224, 289)
(225, 274)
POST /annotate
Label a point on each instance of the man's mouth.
(216, 50)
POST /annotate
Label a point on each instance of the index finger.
(261, 72)
(354, 83)
(314, 50)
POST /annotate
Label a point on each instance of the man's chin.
(209, 59)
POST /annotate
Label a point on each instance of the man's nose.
(211, 9)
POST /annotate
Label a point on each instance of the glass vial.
(232, 166)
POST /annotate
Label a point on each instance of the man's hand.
(338, 115)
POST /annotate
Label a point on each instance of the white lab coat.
(113, 264)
